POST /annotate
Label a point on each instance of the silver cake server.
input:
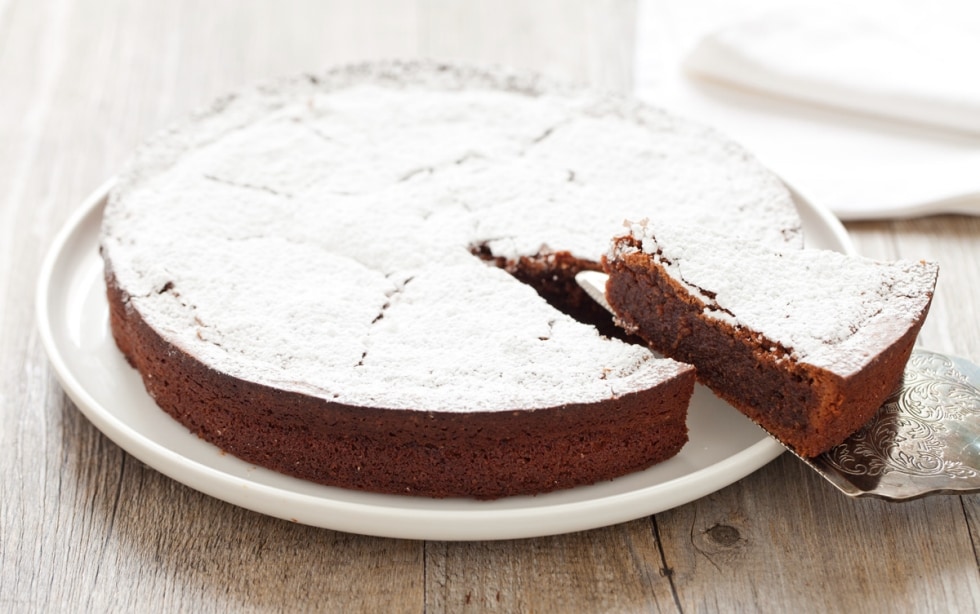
(924, 440)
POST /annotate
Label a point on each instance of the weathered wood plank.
(616, 569)
(585, 42)
(784, 540)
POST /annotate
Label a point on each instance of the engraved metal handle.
(924, 440)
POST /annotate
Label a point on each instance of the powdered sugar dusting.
(315, 235)
(827, 309)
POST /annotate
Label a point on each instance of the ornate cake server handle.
(924, 440)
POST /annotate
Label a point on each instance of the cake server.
(924, 440)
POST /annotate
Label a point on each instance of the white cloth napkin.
(870, 113)
(851, 61)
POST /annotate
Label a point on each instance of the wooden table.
(86, 527)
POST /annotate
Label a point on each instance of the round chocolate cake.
(365, 278)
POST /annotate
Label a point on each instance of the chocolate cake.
(807, 343)
(346, 277)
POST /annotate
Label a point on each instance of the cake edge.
(482, 455)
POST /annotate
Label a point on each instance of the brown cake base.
(807, 408)
(438, 454)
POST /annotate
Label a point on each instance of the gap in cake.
(552, 275)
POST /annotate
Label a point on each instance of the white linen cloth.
(870, 109)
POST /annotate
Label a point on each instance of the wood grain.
(617, 568)
(86, 527)
(783, 536)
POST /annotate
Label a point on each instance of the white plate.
(73, 318)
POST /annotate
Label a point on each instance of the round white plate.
(73, 318)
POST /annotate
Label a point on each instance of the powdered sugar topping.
(825, 308)
(316, 236)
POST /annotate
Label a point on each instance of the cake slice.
(806, 343)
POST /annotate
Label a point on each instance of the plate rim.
(385, 518)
